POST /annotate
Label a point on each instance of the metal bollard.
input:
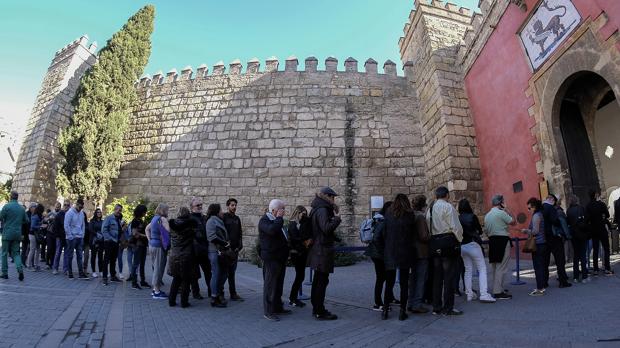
(517, 281)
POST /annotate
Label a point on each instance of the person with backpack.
(580, 233)
(471, 251)
(158, 233)
(555, 225)
(370, 233)
(300, 238)
(598, 216)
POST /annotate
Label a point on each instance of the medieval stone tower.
(257, 134)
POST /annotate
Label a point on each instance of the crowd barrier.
(349, 249)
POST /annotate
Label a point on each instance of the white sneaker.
(487, 298)
(54, 272)
(471, 296)
(95, 275)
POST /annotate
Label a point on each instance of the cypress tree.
(91, 147)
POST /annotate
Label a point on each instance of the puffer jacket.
(182, 258)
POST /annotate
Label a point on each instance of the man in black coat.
(201, 249)
(325, 220)
(274, 253)
(598, 215)
(233, 226)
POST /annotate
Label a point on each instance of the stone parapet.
(271, 66)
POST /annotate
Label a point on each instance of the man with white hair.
(274, 253)
(496, 224)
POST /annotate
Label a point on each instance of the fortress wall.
(275, 134)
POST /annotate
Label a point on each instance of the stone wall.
(258, 135)
(35, 173)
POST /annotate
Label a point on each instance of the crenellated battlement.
(72, 47)
(432, 14)
(482, 25)
(272, 65)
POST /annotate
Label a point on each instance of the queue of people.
(428, 248)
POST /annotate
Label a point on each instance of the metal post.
(518, 281)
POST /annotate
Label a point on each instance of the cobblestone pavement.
(49, 311)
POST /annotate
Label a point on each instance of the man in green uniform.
(12, 217)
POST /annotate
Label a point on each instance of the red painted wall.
(496, 87)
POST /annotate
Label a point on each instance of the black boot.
(403, 314)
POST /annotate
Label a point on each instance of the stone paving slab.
(52, 311)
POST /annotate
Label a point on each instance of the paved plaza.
(49, 311)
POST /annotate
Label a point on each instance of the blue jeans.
(74, 244)
(417, 282)
(218, 274)
(60, 246)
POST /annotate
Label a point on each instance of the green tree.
(91, 147)
(5, 190)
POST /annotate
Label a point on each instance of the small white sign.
(376, 202)
(549, 26)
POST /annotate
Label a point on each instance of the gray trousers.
(273, 282)
(158, 258)
(498, 271)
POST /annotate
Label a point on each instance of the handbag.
(530, 245)
(228, 256)
(444, 244)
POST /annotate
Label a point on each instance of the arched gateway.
(589, 118)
